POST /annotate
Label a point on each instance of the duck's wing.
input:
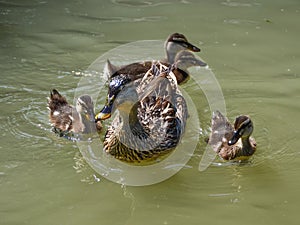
(163, 110)
(221, 131)
(152, 79)
(135, 70)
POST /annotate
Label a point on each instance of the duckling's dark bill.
(236, 136)
(191, 47)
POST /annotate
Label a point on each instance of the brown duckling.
(68, 120)
(232, 143)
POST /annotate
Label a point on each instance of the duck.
(67, 120)
(151, 119)
(175, 43)
(184, 60)
(232, 143)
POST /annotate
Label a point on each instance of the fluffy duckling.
(67, 120)
(232, 143)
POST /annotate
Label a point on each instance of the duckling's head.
(85, 107)
(243, 128)
(185, 59)
(121, 96)
(175, 43)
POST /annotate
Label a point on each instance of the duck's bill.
(236, 136)
(104, 114)
(191, 47)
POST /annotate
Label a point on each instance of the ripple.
(26, 123)
(81, 167)
(132, 3)
(80, 32)
(240, 21)
(121, 19)
(239, 4)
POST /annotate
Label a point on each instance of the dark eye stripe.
(244, 125)
(180, 41)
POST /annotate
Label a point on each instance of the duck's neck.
(131, 123)
(247, 148)
(132, 134)
(89, 126)
(171, 57)
(171, 51)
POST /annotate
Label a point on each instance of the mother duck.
(151, 118)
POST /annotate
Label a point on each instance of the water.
(253, 49)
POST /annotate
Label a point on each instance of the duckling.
(183, 61)
(174, 44)
(150, 123)
(232, 143)
(67, 120)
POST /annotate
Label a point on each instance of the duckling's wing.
(221, 131)
(56, 101)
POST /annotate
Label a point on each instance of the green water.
(251, 46)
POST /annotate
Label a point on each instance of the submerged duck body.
(232, 142)
(68, 120)
(151, 118)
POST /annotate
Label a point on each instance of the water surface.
(251, 46)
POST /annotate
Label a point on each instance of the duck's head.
(243, 128)
(85, 107)
(175, 43)
(121, 95)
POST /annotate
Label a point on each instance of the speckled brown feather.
(63, 115)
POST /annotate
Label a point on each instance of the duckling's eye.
(249, 126)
